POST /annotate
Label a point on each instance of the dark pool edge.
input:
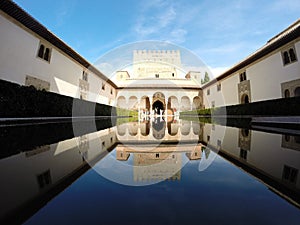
(43, 120)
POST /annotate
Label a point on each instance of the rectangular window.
(208, 92)
(84, 76)
(289, 174)
(111, 91)
(157, 75)
(44, 52)
(219, 143)
(289, 55)
(219, 87)
(243, 76)
(103, 87)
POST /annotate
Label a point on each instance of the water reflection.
(141, 153)
(271, 157)
(159, 163)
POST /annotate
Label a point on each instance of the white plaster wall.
(267, 75)
(230, 90)
(265, 78)
(18, 58)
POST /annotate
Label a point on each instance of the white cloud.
(217, 71)
(64, 11)
(288, 5)
(161, 20)
(178, 35)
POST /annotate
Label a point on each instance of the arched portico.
(159, 103)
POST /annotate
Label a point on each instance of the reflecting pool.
(149, 172)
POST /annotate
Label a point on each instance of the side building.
(272, 72)
(31, 55)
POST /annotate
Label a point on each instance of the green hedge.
(22, 101)
(276, 107)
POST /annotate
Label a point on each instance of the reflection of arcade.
(157, 129)
(159, 163)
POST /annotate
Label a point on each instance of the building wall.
(19, 59)
(267, 75)
(265, 78)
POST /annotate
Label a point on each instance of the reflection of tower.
(157, 166)
(121, 154)
(158, 128)
(195, 154)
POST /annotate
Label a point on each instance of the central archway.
(158, 107)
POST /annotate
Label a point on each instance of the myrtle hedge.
(276, 107)
(22, 101)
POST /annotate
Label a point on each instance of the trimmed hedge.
(22, 101)
(275, 107)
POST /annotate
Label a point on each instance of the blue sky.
(220, 32)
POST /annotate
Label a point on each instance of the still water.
(149, 172)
